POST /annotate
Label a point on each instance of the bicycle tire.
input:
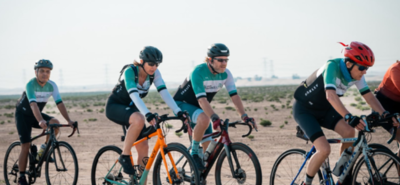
(160, 177)
(64, 167)
(103, 162)
(251, 164)
(379, 146)
(387, 164)
(10, 164)
(287, 166)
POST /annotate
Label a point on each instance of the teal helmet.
(43, 63)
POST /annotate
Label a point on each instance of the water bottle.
(41, 151)
(342, 161)
(200, 152)
(210, 149)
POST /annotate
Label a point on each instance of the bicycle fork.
(228, 150)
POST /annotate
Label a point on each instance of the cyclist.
(388, 93)
(29, 109)
(125, 105)
(317, 101)
(198, 90)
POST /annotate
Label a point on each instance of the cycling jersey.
(36, 93)
(333, 75)
(129, 91)
(390, 85)
(202, 83)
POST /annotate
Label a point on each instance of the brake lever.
(363, 117)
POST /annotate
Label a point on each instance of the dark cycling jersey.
(333, 75)
(36, 93)
(129, 92)
(202, 83)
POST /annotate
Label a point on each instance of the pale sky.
(89, 41)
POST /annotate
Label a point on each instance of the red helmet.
(359, 53)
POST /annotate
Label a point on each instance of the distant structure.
(295, 76)
(272, 70)
(257, 78)
(265, 68)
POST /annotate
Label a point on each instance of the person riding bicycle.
(198, 90)
(125, 105)
(29, 109)
(388, 93)
(317, 101)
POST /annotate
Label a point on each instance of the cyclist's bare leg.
(203, 121)
(56, 130)
(23, 156)
(346, 131)
(323, 150)
(143, 151)
(136, 121)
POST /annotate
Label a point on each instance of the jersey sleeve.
(230, 84)
(331, 69)
(130, 83)
(158, 81)
(56, 94)
(30, 92)
(162, 89)
(362, 86)
(197, 82)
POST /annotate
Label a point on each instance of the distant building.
(295, 76)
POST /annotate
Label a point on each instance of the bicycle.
(107, 170)
(377, 166)
(237, 170)
(65, 169)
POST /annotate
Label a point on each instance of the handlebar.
(159, 120)
(56, 125)
(225, 126)
(375, 120)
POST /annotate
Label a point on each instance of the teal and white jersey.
(332, 75)
(130, 92)
(202, 83)
(36, 93)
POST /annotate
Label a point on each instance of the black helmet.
(217, 49)
(43, 63)
(151, 54)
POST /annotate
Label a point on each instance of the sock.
(195, 147)
(21, 174)
(309, 179)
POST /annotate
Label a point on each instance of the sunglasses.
(152, 64)
(360, 67)
(221, 60)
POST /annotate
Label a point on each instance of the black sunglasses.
(221, 60)
(360, 67)
(153, 64)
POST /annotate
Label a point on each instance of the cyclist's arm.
(36, 111)
(133, 92)
(162, 89)
(238, 104)
(373, 102)
(64, 113)
(205, 105)
(336, 103)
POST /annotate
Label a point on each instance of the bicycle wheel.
(387, 165)
(249, 171)
(188, 173)
(287, 166)
(64, 169)
(106, 169)
(10, 165)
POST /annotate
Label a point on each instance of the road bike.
(236, 162)
(106, 170)
(61, 164)
(375, 166)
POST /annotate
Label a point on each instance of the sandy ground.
(268, 143)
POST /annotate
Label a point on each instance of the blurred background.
(271, 42)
